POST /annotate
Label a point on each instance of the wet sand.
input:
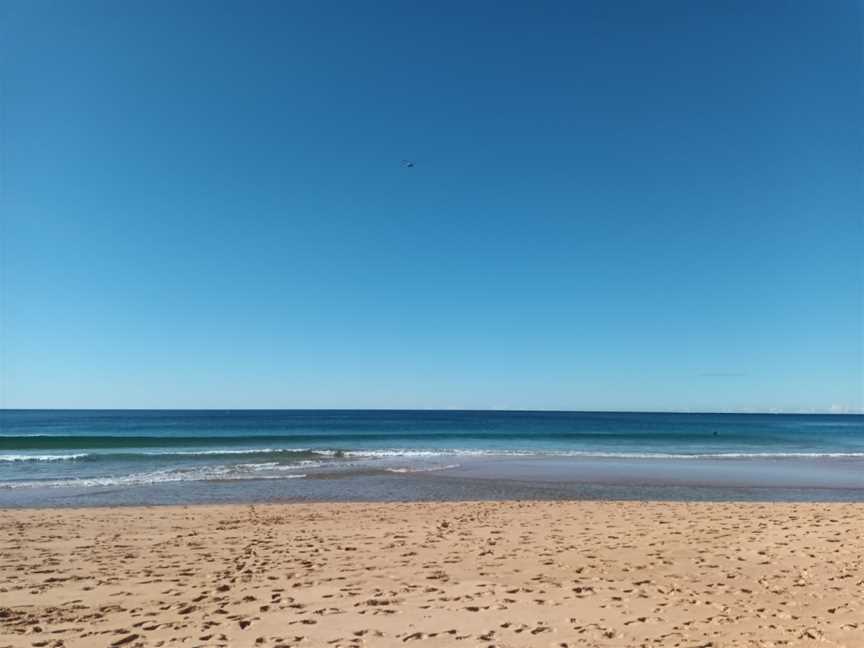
(502, 574)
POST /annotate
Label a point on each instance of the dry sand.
(448, 574)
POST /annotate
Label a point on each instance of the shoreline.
(434, 574)
(662, 495)
(492, 479)
(467, 501)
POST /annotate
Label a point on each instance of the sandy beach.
(502, 574)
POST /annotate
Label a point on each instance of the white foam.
(167, 453)
(244, 451)
(600, 455)
(25, 457)
(441, 452)
(427, 469)
(211, 473)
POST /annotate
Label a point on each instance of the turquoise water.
(43, 451)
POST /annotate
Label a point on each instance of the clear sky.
(615, 205)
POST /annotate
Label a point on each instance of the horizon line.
(422, 409)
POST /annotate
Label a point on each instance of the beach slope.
(502, 574)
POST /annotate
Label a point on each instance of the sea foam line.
(302, 455)
(213, 473)
(168, 453)
(244, 451)
(599, 454)
(22, 457)
(419, 470)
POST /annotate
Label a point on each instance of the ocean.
(106, 457)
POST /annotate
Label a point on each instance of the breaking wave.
(298, 455)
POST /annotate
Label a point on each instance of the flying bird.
(408, 164)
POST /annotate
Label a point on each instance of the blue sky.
(615, 205)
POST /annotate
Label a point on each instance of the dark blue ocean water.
(45, 451)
